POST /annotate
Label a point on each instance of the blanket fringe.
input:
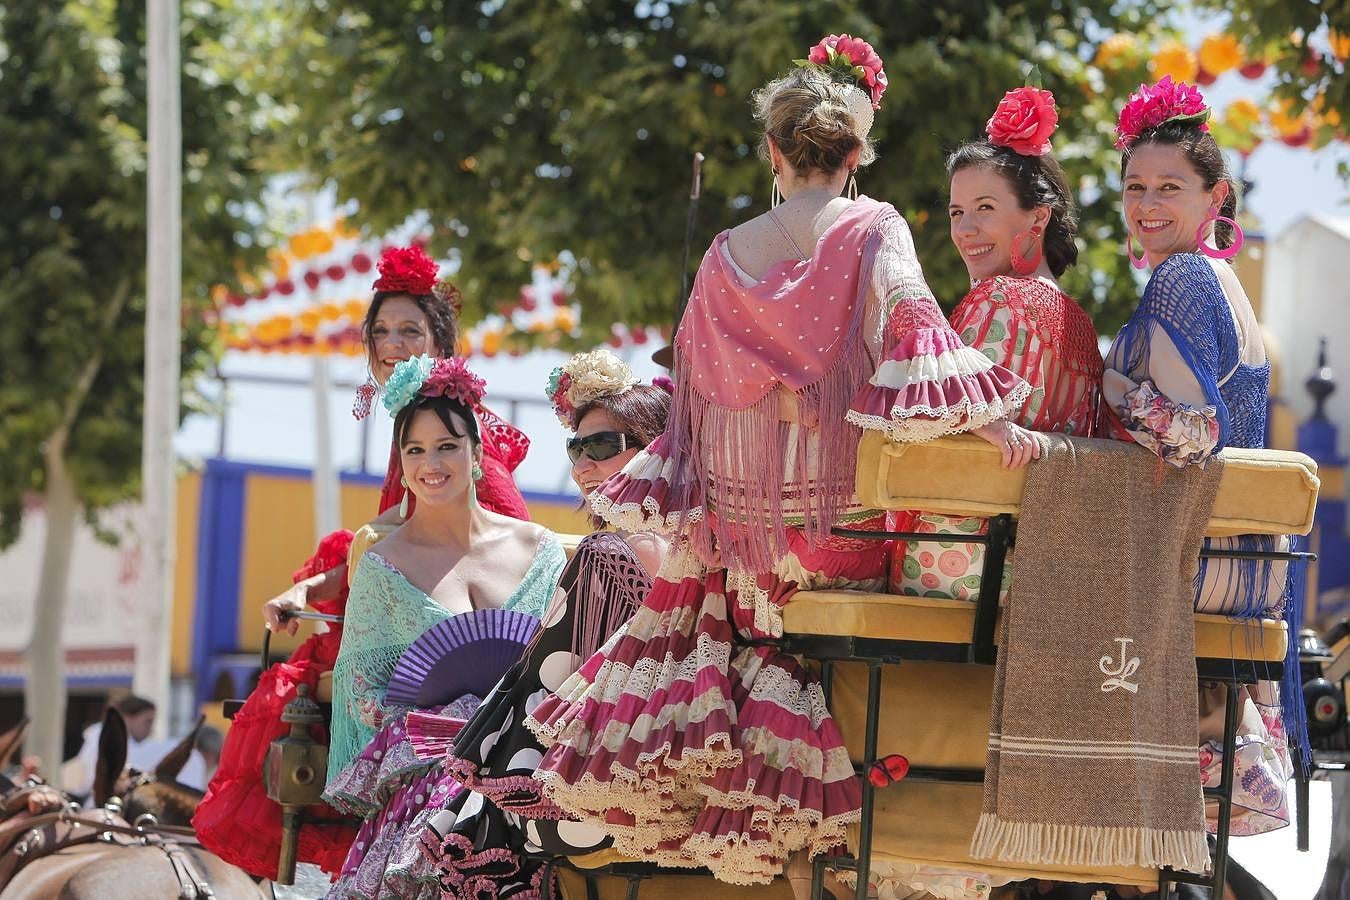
(1088, 845)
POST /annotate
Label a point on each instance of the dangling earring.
(1214, 252)
(1141, 262)
(365, 398)
(852, 188)
(403, 504)
(1026, 260)
(776, 195)
(476, 472)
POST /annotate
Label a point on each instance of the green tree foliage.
(532, 128)
(72, 231)
(72, 270)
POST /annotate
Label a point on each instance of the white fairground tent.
(1306, 298)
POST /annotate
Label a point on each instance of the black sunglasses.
(599, 446)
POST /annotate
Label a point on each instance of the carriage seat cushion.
(1261, 492)
(901, 618)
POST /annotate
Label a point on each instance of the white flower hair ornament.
(584, 378)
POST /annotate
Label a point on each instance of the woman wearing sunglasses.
(613, 416)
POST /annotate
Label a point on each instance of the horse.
(49, 849)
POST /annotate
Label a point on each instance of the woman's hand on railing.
(1017, 445)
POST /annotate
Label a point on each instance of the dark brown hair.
(442, 407)
(1204, 155)
(639, 412)
(440, 315)
(1037, 181)
(805, 114)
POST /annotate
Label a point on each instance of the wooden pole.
(163, 312)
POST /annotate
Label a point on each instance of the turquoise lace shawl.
(385, 614)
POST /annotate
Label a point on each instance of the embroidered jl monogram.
(1117, 675)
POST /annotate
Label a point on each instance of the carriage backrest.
(1261, 491)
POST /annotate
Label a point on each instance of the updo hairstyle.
(806, 116)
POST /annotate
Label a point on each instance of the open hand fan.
(465, 654)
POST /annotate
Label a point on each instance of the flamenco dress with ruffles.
(236, 820)
(373, 771)
(1186, 377)
(495, 754)
(689, 737)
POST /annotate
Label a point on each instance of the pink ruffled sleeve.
(928, 383)
(649, 494)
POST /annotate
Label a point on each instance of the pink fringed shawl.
(799, 327)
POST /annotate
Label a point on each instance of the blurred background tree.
(530, 129)
(72, 254)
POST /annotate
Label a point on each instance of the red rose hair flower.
(1152, 105)
(406, 270)
(1023, 121)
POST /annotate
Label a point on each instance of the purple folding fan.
(465, 654)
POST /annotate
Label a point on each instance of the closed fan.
(466, 654)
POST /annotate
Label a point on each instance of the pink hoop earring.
(1140, 262)
(1214, 252)
(1025, 260)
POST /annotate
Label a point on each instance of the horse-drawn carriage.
(909, 679)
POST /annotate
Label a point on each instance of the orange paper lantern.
(1220, 53)
(1175, 59)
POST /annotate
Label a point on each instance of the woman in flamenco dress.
(613, 417)
(410, 314)
(1188, 376)
(451, 558)
(688, 737)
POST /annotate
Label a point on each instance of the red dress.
(236, 819)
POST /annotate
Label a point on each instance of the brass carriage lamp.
(293, 774)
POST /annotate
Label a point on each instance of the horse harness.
(25, 837)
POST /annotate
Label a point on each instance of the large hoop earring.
(403, 504)
(1140, 262)
(852, 188)
(1214, 252)
(1026, 260)
(775, 195)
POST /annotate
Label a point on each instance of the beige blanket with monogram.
(1093, 730)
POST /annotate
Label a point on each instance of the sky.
(276, 424)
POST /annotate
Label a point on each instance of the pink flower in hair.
(1023, 121)
(452, 379)
(851, 59)
(1152, 105)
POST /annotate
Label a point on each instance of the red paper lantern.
(285, 287)
(335, 272)
(312, 280)
(361, 263)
